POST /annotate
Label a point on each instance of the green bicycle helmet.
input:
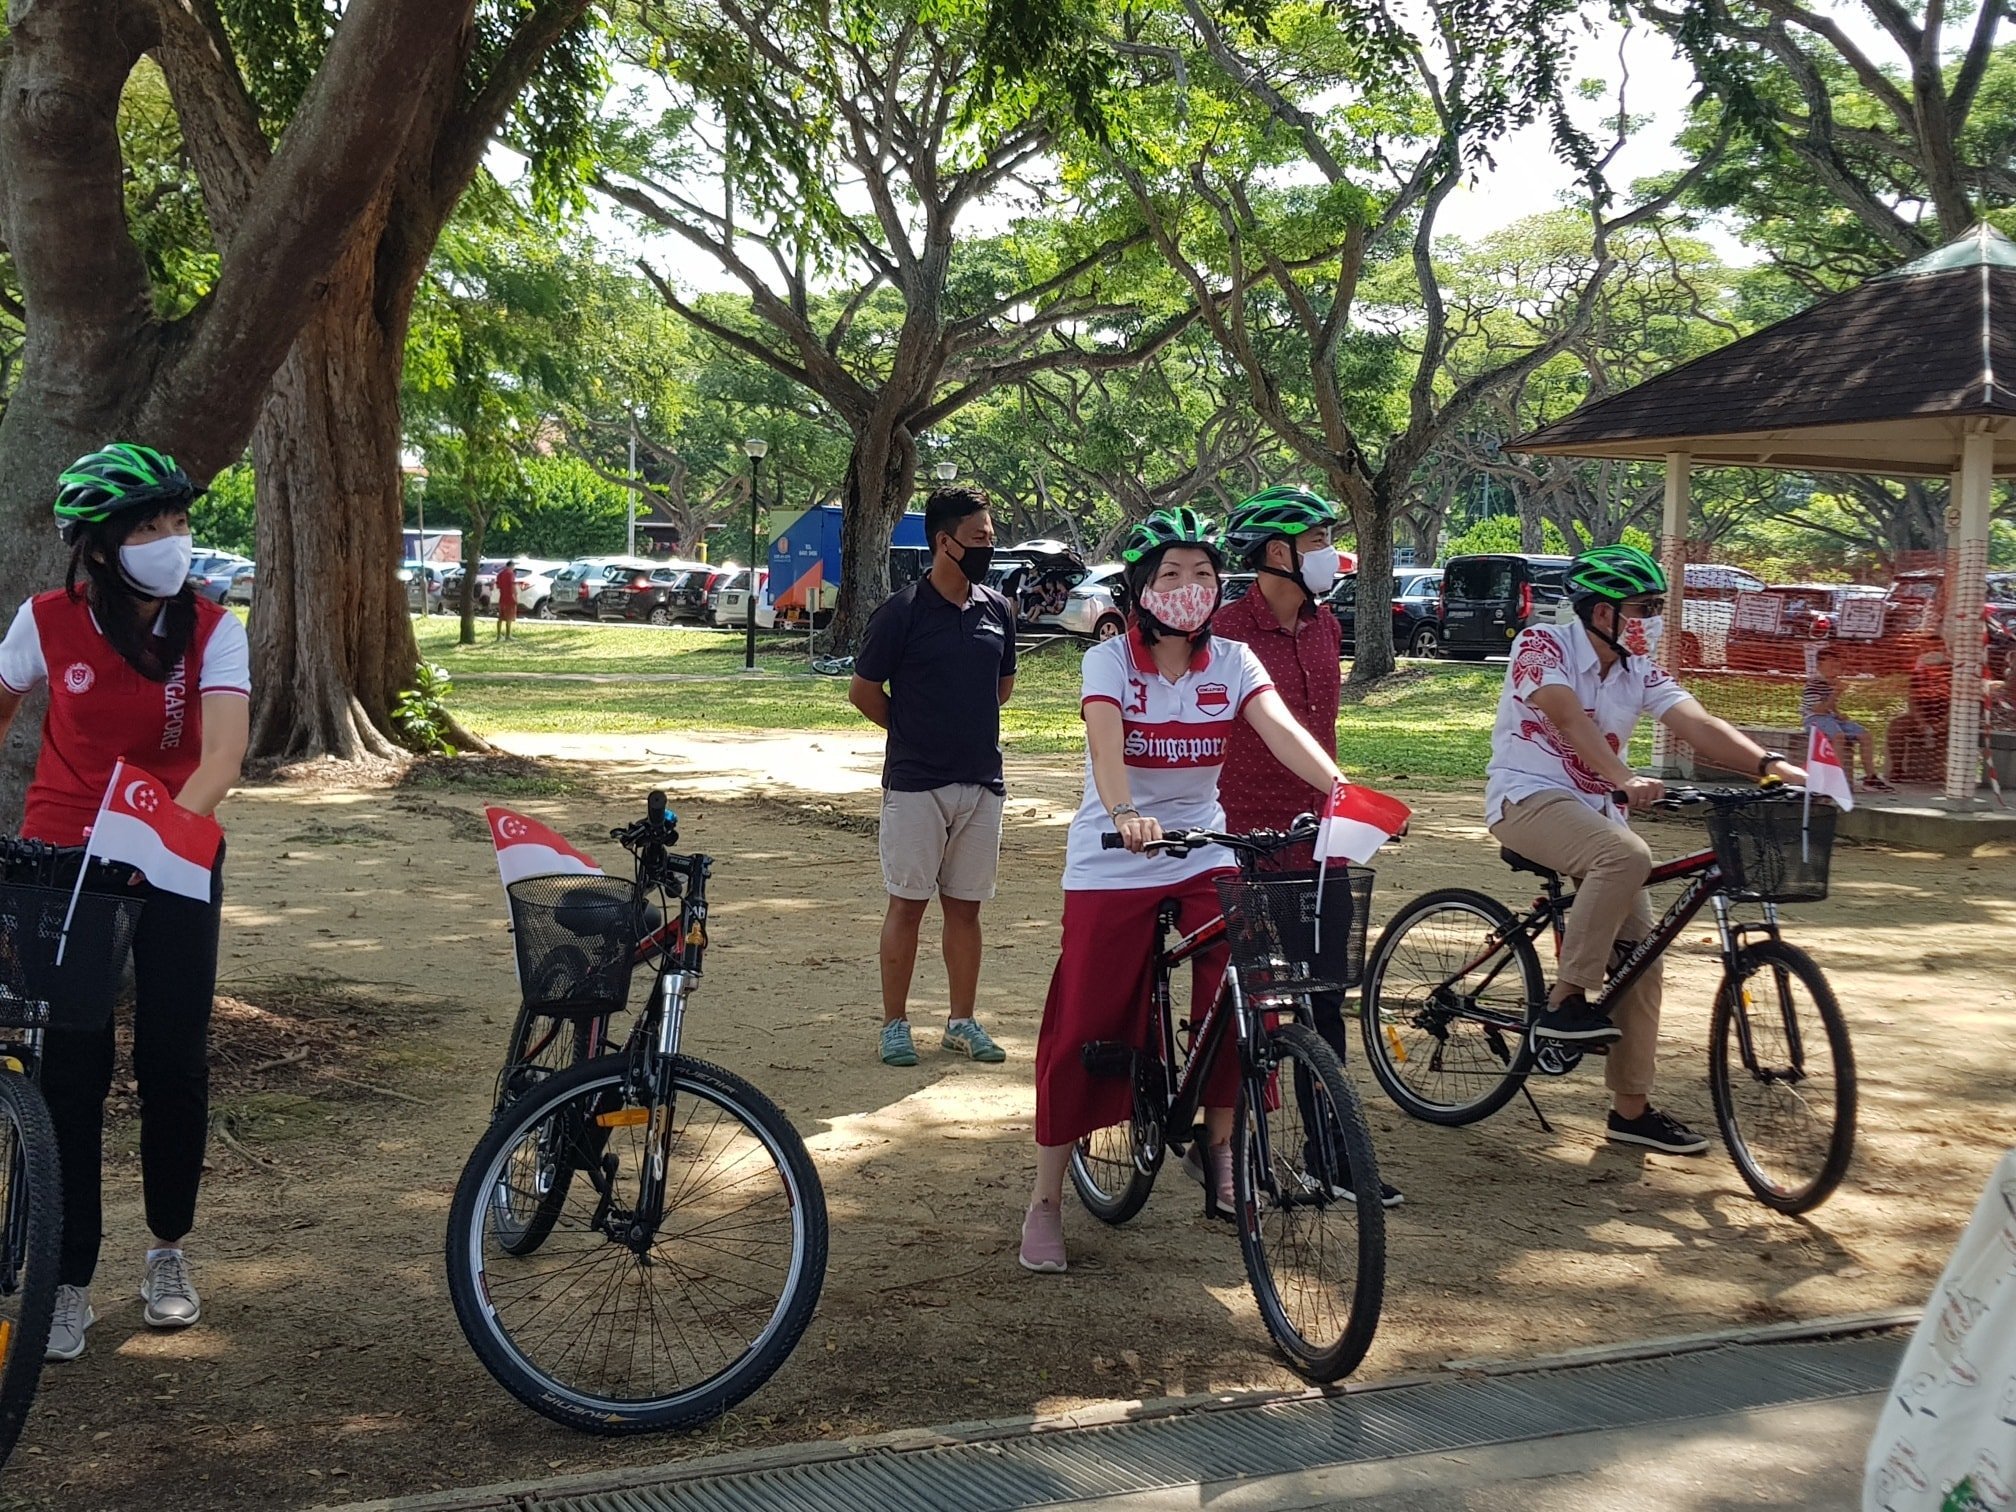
(1181, 526)
(118, 478)
(1283, 510)
(1614, 573)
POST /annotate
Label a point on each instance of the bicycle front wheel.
(1113, 1169)
(618, 1326)
(530, 1197)
(1783, 1076)
(31, 1239)
(1448, 992)
(1312, 1229)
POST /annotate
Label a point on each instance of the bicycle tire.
(1293, 1051)
(1382, 1013)
(478, 1295)
(31, 1243)
(541, 1045)
(1097, 1177)
(1723, 1047)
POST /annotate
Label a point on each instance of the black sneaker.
(1341, 1186)
(1657, 1131)
(1574, 1022)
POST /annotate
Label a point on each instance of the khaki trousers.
(1609, 864)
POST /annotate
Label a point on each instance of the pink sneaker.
(1218, 1195)
(1043, 1238)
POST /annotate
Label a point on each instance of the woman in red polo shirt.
(139, 668)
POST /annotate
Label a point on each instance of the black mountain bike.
(1312, 1230)
(639, 1240)
(1454, 983)
(36, 992)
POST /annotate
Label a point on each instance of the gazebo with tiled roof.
(1911, 374)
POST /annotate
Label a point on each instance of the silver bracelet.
(1122, 808)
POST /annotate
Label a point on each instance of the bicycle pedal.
(1109, 1058)
(1553, 1059)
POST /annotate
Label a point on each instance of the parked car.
(211, 573)
(693, 595)
(1487, 600)
(1417, 630)
(242, 583)
(1914, 615)
(577, 586)
(731, 598)
(656, 594)
(1091, 608)
(1774, 626)
(424, 582)
(1038, 577)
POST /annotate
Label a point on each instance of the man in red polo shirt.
(1282, 534)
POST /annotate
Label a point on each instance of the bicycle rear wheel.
(611, 1329)
(1113, 1169)
(1785, 1101)
(1312, 1229)
(529, 1199)
(1449, 990)
(31, 1239)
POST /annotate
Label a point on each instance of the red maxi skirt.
(1099, 991)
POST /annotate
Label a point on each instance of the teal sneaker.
(964, 1036)
(896, 1047)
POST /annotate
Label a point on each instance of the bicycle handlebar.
(1770, 790)
(1257, 842)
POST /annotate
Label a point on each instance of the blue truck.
(805, 559)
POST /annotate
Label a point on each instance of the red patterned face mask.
(1641, 636)
(1182, 609)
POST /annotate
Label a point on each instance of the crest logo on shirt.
(1213, 698)
(78, 677)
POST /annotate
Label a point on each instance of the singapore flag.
(1825, 776)
(527, 848)
(139, 824)
(1356, 822)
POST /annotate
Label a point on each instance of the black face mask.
(975, 562)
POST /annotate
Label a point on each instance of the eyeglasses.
(1643, 608)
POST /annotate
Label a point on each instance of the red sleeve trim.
(1253, 693)
(23, 692)
(227, 692)
(1092, 698)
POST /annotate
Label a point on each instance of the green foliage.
(223, 518)
(1499, 534)
(421, 712)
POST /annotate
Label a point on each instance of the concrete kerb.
(510, 1496)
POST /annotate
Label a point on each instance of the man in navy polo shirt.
(936, 666)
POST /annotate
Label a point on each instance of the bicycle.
(639, 1240)
(36, 992)
(1291, 1155)
(1454, 982)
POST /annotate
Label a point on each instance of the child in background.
(1820, 709)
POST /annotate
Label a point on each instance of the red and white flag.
(139, 824)
(1356, 822)
(527, 848)
(1825, 776)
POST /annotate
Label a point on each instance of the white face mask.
(1319, 569)
(1641, 636)
(158, 568)
(1182, 609)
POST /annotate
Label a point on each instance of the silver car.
(1090, 609)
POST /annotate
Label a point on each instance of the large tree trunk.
(879, 484)
(1372, 521)
(331, 641)
(472, 556)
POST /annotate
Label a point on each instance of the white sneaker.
(73, 1316)
(169, 1293)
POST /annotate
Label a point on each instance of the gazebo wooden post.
(1966, 586)
(1666, 751)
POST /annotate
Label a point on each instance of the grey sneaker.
(963, 1036)
(73, 1316)
(897, 1050)
(169, 1293)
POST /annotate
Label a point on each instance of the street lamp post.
(753, 448)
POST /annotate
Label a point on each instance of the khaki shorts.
(945, 840)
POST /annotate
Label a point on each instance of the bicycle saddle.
(597, 911)
(1520, 863)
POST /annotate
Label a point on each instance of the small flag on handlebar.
(1356, 822)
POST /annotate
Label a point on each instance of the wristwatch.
(1764, 761)
(1123, 808)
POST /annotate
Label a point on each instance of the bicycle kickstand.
(1527, 1088)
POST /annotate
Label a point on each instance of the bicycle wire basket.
(38, 993)
(1271, 923)
(1773, 852)
(576, 939)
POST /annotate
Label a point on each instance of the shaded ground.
(366, 929)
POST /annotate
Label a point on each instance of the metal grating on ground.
(1065, 1465)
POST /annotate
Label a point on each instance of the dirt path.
(329, 1366)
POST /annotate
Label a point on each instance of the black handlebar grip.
(655, 806)
(1112, 841)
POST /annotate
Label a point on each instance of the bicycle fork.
(1732, 938)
